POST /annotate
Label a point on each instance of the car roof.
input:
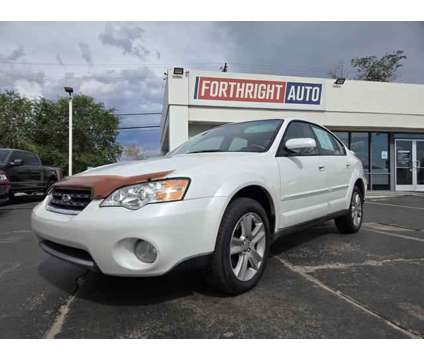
(9, 149)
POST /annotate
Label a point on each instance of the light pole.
(69, 90)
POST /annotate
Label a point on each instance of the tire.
(352, 221)
(235, 273)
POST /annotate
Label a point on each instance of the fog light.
(145, 251)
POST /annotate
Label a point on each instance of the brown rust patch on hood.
(103, 185)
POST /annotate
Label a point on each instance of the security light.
(178, 71)
(340, 81)
(69, 90)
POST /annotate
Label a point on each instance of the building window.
(343, 136)
(359, 143)
(373, 149)
(380, 161)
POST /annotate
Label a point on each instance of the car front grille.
(69, 200)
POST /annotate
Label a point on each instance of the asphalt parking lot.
(319, 284)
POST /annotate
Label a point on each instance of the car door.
(338, 169)
(17, 174)
(304, 190)
(34, 169)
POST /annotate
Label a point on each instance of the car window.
(32, 159)
(238, 144)
(16, 155)
(213, 143)
(3, 155)
(327, 143)
(296, 130)
(27, 157)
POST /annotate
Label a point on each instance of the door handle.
(348, 165)
(321, 168)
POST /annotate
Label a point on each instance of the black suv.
(26, 173)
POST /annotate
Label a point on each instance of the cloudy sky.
(122, 64)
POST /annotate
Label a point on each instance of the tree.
(42, 127)
(15, 117)
(382, 69)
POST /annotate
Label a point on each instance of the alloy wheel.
(247, 247)
(356, 209)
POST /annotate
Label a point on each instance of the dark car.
(25, 172)
(4, 187)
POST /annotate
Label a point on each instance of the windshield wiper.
(204, 151)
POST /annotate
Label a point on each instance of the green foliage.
(373, 68)
(15, 118)
(42, 126)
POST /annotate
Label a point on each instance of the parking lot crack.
(59, 321)
(343, 266)
(392, 234)
(300, 270)
(9, 269)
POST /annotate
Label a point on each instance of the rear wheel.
(352, 221)
(241, 248)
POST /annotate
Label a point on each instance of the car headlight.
(136, 196)
(3, 177)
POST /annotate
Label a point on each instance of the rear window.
(3, 155)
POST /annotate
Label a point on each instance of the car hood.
(180, 165)
(211, 174)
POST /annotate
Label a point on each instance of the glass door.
(419, 163)
(410, 165)
(404, 165)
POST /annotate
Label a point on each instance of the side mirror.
(300, 145)
(16, 162)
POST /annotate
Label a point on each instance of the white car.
(222, 196)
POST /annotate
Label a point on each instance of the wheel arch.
(261, 195)
(361, 185)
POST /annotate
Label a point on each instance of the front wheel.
(352, 221)
(241, 249)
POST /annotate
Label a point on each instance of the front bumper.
(179, 231)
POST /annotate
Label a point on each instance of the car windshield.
(3, 155)
(251, 136)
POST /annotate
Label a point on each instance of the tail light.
(3, 178)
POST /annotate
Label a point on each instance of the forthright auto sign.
(257, 91)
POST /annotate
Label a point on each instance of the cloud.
(16, 54)
(59, 59)
(93, 87)
(86, 52)
(30, 89)
(127, 90)
(316, 48)
(126, 37)
(11, 79)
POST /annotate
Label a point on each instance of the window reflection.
(359, 144)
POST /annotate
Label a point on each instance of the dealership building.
(383, 123)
